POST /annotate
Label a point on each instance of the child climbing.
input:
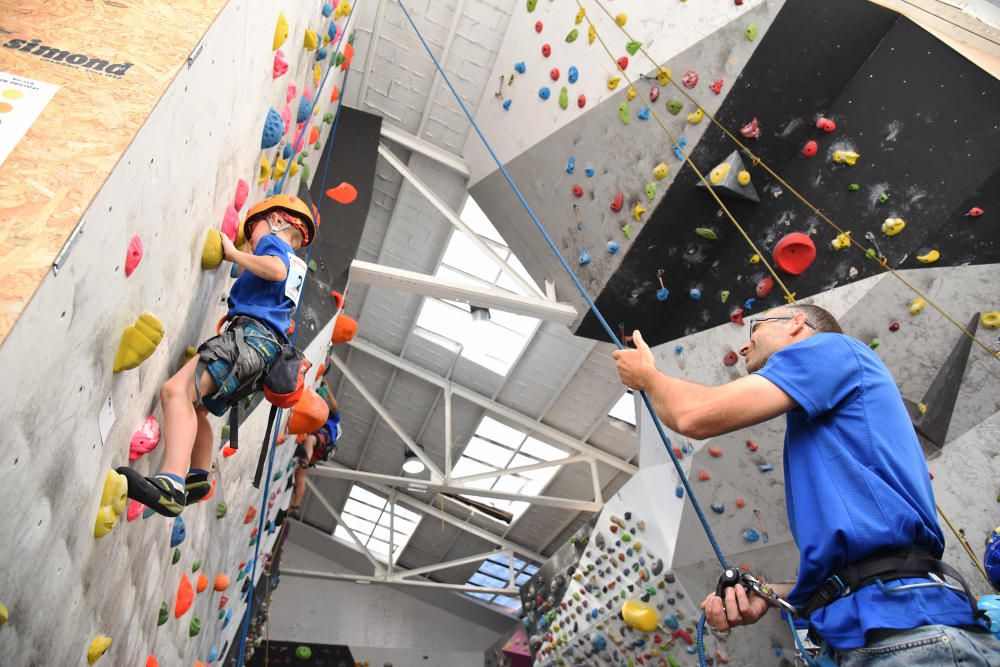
(317, 446)
(231, 365)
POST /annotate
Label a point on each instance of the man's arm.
(696, 410)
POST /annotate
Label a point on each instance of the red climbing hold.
(715, 452)
(280, 65)
(751, 130)
(894, 326)
(538, 26)
(335, 93)
(683, 634)
(242, 190)
(223, 601)
(740, 503)
(716, 86)
(251, 513)
(623, 63)
(151, 661)
(975, 212)
(546, 50)
(133, 255)
(736, 317)
(135, 508)
(185, 595)
(345, 193)
(690, 79)
(731, 358)
(581, 101)
(616, 203)
(764, 287)
(752, 445)
(230, 222)
(704, 475)
(826, 125)
(578, 190)
(554, 73)
(654, 93)
(794, 253)
(678, 452)
(810, 149)
(739, 3)
(228, 451)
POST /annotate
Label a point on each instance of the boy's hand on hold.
(635, 367)
(228, 248)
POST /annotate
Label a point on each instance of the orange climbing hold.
(715, 451)
(151, 661)
(344, 329)
(335, 94)
(221, 582)
(345, 193)
(185, 596)
(281, 438)
(309, 414)
(313, 135)
(252, 511)
(202, 583)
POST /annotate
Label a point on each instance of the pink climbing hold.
(290, 91)
(751, 130)
(731, 358)
(704, 475)
(654, 93)
(810, 149)
(308, 93)
(135, 509)
(286, 116)
(230, 221)
(133, 255)
(975, 212)
(764, 287)
(145, 439)
(690, 79)
(716, 86)
(280, 65)
(714, 452)
(826, 125)
(242, 190)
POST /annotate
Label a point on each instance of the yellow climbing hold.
(97, 648)
(211, 253)
(842, 241)
(265, 171)
(4, 614)
(630, 94)
(660, 171)
(591, 34)
(139, 341)
(343, 9)
(326, 39)
(640, 616)
(663, 76)
(190, 352)
(240, 239)
(893, 226)
(754, 259)
(621, 19)
(916, 306)
(310, 40)
(613, 82)
(845, 157)
(280, 32)
(637, 211)
(317, 74)
(719, 172)
(294, 170)
(695, 116)
(279, 168)
(114, 501)
(922, 408)
(579, 16)
(929, 257)
(990, 320)
(743, 178)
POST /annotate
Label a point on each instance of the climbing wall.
(68, 418)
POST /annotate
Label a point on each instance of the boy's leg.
(300, 488)
(196, 483)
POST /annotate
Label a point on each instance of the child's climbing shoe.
(156, 493)
(198, 488)
(295, 512)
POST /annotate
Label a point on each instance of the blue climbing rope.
(274, 438)
(593, 308)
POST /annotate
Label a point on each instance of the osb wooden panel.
(50, 178)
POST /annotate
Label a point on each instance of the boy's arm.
(331, 401)
(266, 267)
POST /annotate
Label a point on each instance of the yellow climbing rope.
(758, 161)
(965, 545)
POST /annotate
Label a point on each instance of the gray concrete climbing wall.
(175, 181)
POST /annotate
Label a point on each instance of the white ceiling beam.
(445, 158)
(475, 558)
(576, 458)
(359, 579)
(368, 273)
(550, 433)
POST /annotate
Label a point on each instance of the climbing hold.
(612, 247)
(185, 596)
(589, 171)
(990, 320)
(845, 157)
(211, 252)
(133, 255)
(262, 176)
(716, 86)
(724, 295)
(309, 40)
(538, 26)
(736, 317)
(195, 566)
(98, 646)
(751, 130)
(572, 35)
(660, 171)
(751, 535)
(718, 508)
(202, 583)
(764, 287)
(975, 212)
(313, 134)
(894, 326)
(135, 508)
(242, 190)
(573, 74)
(751, 32)
(305, 108)
(581, 101)
(621, 19)
(623, 63)
(690, 79)
(578, 190)
(280, 32)
(675, 106)
(280, 66)
(554, 73)
(650, 191)
(178, 533)
(654, 93)
(570, 164)
(584, 258)
(929, 257)
(279, 168)
(826, 124)
(345, 193)
(563, 98)
(719, 172)
(113, 503)
(164, 611)
(623, 113)
(740, 503)
(695, 294)
(631, 93)
(893, 226)
(221, 582)
(252, 510)
(752, 445)
(643, 114)
(544, 92)
(842, 241)
(715, 452)
(706, 233)
(220, 510)
(145, 439)
(616, 203)
(506, 104)
(731, 358)
(520, 67)
(704, 475)
(679, 491)
(613, 82)
(810, 149)
(195, 627)
(546, 50)
(138, 342)
(695, 116)
(637, 211)
(767, 467)
(230, 222)
(794, 253)
(228, 451)
(883, 197)
(176, 557)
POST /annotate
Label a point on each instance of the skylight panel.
(369, 516)
(495, 573)
(624, 409)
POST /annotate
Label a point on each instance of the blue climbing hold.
(589, 171)
(213, 654)
(718, 508)
(679, 491)
(751, 535)
(767, 467)
(681, 143)
(643, 114)
(234, 271)
(519, 67)
(570, 164)
(286, 152)
(544, 92)
(598, 641)
(612, 247)
(662, 294)
(573, 74)
(178, 533)
(584, 257)
(678, 349)
(148, 512)
(748, 304)
(229, 617)
(274, 128)
(331, 31)
(690, 649)
(321, 53)
(506, 105)
(695, 293)
(327, 9)
(594, 613)
(670, 620)
(687, 448)
(305, 108)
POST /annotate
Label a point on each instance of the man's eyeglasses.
(756, 322)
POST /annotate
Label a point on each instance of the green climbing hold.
(177, 556)
(623, 113)
(328, 118)
(195, 566)
(632, 47)
(627, 538)
(241, 574)
(313, 265)
(706, 233)
(870, 253)
(531, 5)
(277, 476)
(305, 173)
(883, 198)
(195, 627)
(222, 614)
(303, 155)
(303, 652)
(724, 295)
(650, 191)
(340, 59)
(853, 187)
(673, 661)
(751, 32)
(225, 433)
(253, 540)
(564, 98)
(350, 40)
(627, 231)
(675, 106)
(221, 509)
(164, 613)
(573, 34)
(875, 343)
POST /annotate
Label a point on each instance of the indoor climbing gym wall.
(123, 160)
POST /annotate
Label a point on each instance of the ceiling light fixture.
(413, 465)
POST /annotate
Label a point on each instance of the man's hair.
(818, 317)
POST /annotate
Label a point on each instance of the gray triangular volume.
(728, 179)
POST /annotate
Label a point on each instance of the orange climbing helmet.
(288, 203)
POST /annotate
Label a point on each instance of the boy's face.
(262, 228)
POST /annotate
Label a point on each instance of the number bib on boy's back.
(296, 277)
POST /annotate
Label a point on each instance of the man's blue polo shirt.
(856, 483)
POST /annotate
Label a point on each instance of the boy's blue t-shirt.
(856, 484)
(270, 301)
